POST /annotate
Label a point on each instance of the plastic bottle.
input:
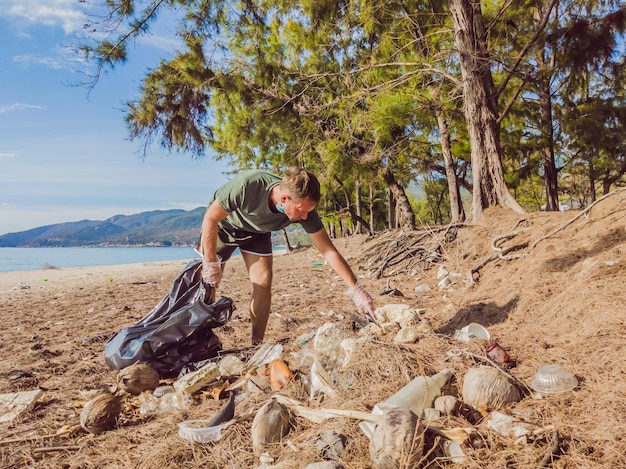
(153, 405)
(418, 394)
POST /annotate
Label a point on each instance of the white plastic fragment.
(508, 426)
(320, 380)
(333, 346)
(454, 451)
(14, 403)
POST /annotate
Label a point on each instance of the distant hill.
(155, 228)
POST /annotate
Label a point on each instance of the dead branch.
(500, 255)
(551, 451)
(410, 250)
(61, 432)
(587, 210)
(52, 449)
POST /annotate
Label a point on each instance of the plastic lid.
(553, 379)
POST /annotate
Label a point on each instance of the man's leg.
(260, 273)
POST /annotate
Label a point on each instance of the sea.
(12, 259)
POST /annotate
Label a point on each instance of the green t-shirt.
(246, 198)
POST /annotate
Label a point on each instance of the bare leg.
(260, 273)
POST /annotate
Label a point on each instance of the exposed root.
(584, 212)
(409, 251)
(551, 451)
(500, 253)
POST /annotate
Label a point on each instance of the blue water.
(39, 258)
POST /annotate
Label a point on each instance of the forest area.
(479, 104)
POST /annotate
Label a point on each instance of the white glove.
(212, 272)
(362, 300)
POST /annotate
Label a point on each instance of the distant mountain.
(155, 228)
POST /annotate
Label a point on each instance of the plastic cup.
(197, 430)
(478, 331)
(472, 331)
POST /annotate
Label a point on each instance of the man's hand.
(212, 272)
(362, 300)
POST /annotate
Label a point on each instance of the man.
(245, 211)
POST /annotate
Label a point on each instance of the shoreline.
(86, 275)
(37, 259)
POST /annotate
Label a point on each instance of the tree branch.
(529, 44)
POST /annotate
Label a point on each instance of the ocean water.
(12, 259)
(39, 258)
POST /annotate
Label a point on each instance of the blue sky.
(64, 152)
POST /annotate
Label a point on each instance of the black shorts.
(259, 244)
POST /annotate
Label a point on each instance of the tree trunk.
(342, 229)
(391, 210)
(289, 248)
(547, 127)
(592, 180)
(371, 201)
(345, 231)
(357, 207)
(609, 179)
(480, 109)
(457, 213)
(406, 218)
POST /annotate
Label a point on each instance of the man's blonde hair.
(301, 184)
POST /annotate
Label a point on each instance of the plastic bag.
(176, 331)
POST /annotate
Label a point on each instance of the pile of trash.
(440, 417)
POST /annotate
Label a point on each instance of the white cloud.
(47, 61)
(18, 107)
(68, 14)
(7, 155)
(165, 43)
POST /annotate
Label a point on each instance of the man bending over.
(245, 211)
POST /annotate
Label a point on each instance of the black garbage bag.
(177, 331)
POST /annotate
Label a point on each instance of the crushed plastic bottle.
(418, 394)
(153, 405)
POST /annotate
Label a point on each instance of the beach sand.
(560, 302)
(59, 279)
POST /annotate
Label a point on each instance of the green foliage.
(174, 102)
(351, 90)
(423, 211)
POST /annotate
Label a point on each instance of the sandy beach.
(559, 302)
(62, 278)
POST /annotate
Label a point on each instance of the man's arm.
(362, 299)
(214, 214)
(334, 258)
